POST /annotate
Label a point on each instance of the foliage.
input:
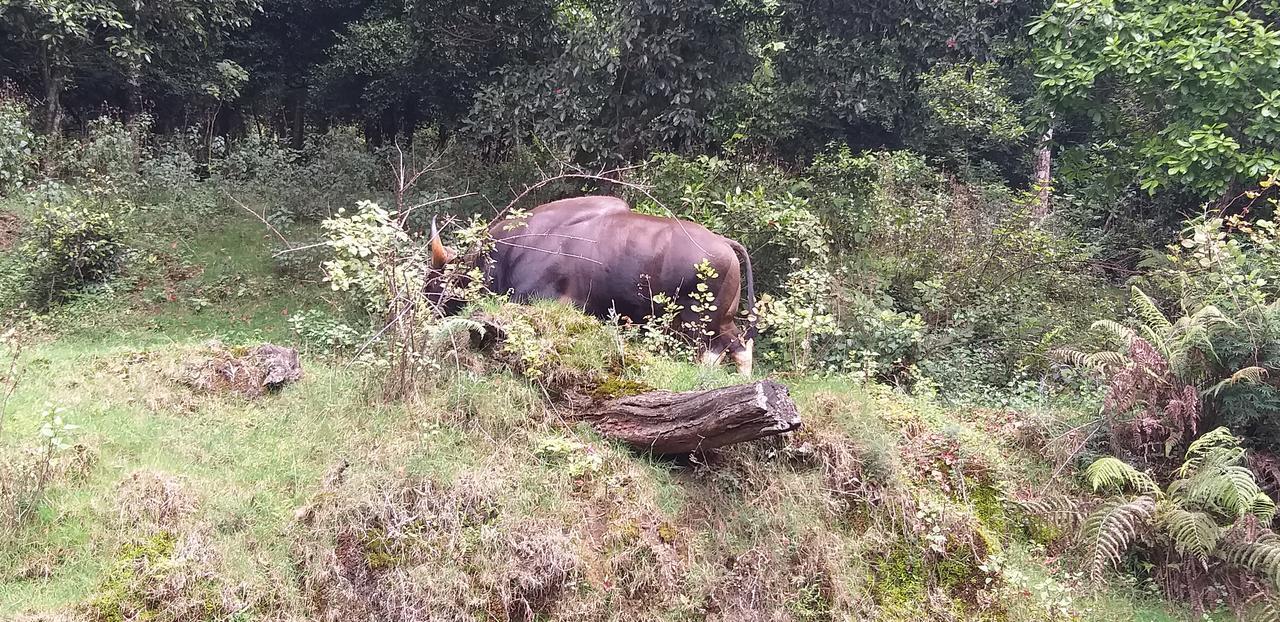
(968, 109)
(29, 470)
(1206, 513)
(1151, 376)
(372, 256)
(866, 338)
(634, 76)
(68, 247)
(1226, 264)
(1190, 82)
(18, 143)
(860, 69)
(323, 332)
(779, 227)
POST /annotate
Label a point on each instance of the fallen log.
(667, 423)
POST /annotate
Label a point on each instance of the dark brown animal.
(598, 255)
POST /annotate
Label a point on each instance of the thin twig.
(550, 252)
(435, 202)
(299, 248)
(259, 217)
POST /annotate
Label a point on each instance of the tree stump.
(662, 422)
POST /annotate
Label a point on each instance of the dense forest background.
(1018, 258)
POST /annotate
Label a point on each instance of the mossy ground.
(757, 531)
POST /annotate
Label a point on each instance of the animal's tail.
(751, 288)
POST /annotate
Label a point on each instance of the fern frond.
(1096, 362)
(1217, 446)
(1194, 533)
(1069, 357)
(1254, 374)
(1112, 528)
(1060, 510)
(1115, 330)
(1229, 489)
(1117, 475)
(453, 325)
(1196, 331)
(1263, 507)
(1268, 612)
(1261, 556)
(1149, 312)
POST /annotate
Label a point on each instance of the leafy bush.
(69, 246)
(878, 263)
(968, 108)
(821, 325)
(778, 226)
(17, 142)
(109, 156)
(325, 333)
(285, 179)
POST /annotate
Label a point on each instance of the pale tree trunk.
(1044, 177)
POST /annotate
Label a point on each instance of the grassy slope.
(248, 466)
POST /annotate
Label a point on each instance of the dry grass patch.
(248, 372)
(29, 473)
(406, 549)
(168, 567)
(154, 502)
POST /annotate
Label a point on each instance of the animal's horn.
(439, 256)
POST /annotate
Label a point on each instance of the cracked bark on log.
(667, 423)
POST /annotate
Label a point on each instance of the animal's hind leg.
(711, 358)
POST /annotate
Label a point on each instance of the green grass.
(112, 359)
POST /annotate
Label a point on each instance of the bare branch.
(260, 217)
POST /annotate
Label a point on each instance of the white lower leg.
(744, 358)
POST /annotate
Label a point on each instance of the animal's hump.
(595, 203)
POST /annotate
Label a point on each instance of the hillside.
(483, 498)
(393, 310)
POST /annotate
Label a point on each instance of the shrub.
(109, 156)
(1228, 265)
(284, 179)
(873, 263)
(28, 471)
(70, 246)
(18, 143)
(819, 324)
(967, 110)
(325, 333)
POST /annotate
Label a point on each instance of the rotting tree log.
(667, 423)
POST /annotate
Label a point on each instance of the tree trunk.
(668, 423)
(298, 122)
(1044, 177)
(52, 111)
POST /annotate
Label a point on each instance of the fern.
(1263, 507)
(1119, 332)
(1254, 375)
(1097, 362)
(1217, 446)
(1115, 474)
(1261, 556)
(1112, 528)
(1192, 532)
(1149, 312)
(1060, 510)
(450, 327)
(1229, 489)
